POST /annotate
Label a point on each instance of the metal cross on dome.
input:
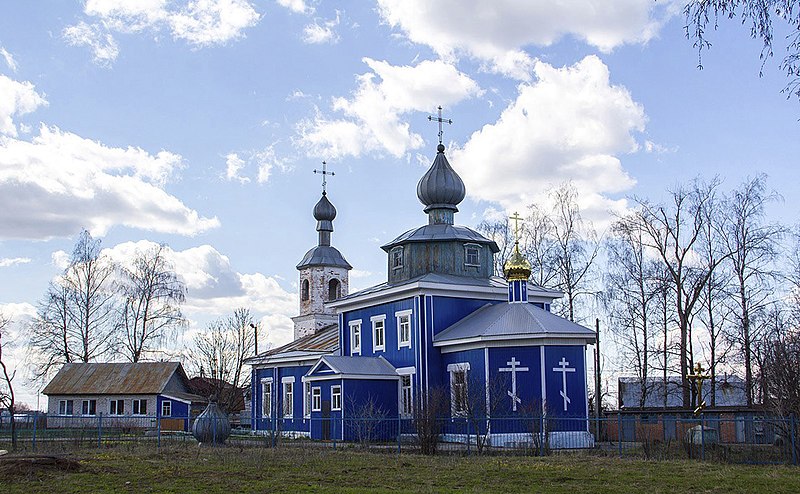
(324, 174)
(517, 218)
(441, 121)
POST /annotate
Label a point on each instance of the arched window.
(304, 290)
(334, 288)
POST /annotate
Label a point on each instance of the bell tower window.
(334, 289)
(304, 291)
(397, 258)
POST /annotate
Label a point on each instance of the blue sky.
(199, 123)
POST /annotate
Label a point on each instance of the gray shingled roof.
(326, 340)
(324, 255)
(441, 232)
(512, 321)
(372, 366)
(127, 378)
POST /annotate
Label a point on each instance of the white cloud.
(317, 33)
(267, 159)
(12, 64)
(16, 98)
(58, 183)
(371, 117)
(297, 6)
(198, 22)
(11, 261)
(234, 165)
(104, 47)
(572, 124)
(497, 31)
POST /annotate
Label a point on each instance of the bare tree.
(576, 246)
(501, 234)
(151, 309)
(753, 245)
(7, 398)
(76, 321)
(632, 289)
(673, 232)
(222, 349)
(538, 247)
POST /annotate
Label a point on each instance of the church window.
(472, 255)
(334, 289)
(304, 291)
(266, 398)
(336, 397)
(378, 333)
(288, 397)
(403, 328)
(406, 396)
(397, 258)
(355, 337)
(316, 399)
(307, 400)
(459, 389)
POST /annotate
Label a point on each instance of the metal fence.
(709, 438)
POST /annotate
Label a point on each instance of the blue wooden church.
(442, 321)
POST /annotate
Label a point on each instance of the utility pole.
(598, 395)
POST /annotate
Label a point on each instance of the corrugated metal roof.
(326, 340)
(441, 232)
(730, 392)
(110, 378)
(373, 366)
(512, 320)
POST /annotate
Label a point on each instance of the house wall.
(54, 420)
(179, 417)
(296, 422)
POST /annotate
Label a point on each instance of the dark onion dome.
(441, 187)
(324, 213)
(517, 268)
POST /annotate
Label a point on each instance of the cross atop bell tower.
(324, 172)
(441, 121)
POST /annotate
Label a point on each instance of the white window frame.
(406, 372)
(467, 248)
(316, 399)
(306, 399)
(86, 407)
(288, 397)
(336, 398)
(117, 409)
(266, 398)
(378, 321)
(396, 254)
(403, 314)
(166, 408)
(66, 407)
(453, 369)
(355, 328)
(136, 406)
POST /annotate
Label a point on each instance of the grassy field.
(231, 470)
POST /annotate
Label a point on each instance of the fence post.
(35, 424)
(158, 428)
(214, 431)
(703, 436)
(619, 433)
(469, 438)
(399, 429)
(99, 428)
(793, 438)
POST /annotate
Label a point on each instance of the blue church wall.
(297, 422)
(566, 364)
(356, 398)
(526, 363)
(326, 423)
(399, 357)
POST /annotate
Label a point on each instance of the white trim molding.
(381, 318)
(398, 316)
(352, 325)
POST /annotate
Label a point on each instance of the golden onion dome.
(517, 268)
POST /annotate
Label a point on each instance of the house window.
(403, 328)
(266, 398)
(166, 408)
(334, 289)
(307, 400)
(406, 396)
(336, 397)
(378, 333)
(459, 388)
(397, 258)
(116, 407)
(139, 407)
(89, 407)
(304, 290)
(472, 255)
(355, 337)
(288, 397)
(316, 399)
(65, 407)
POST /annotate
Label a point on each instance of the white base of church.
(555, 440)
